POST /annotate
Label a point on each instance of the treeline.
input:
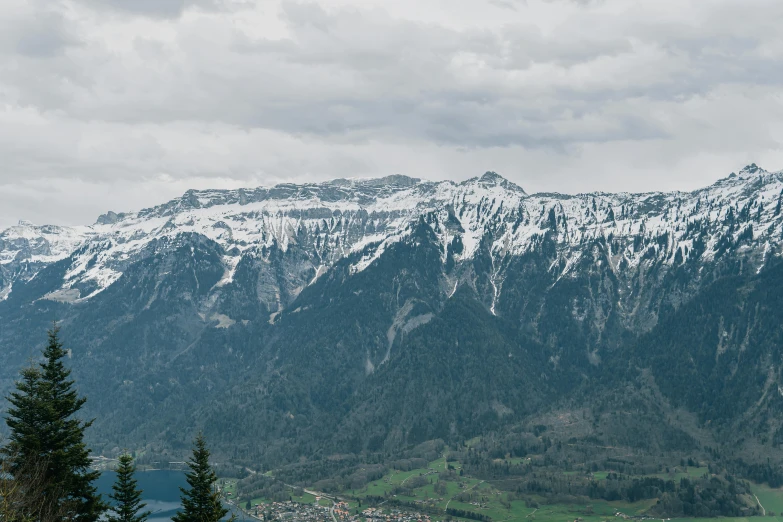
(639, 489)
(726, 491)
(520, 454)
(707, 498)
(761, 473)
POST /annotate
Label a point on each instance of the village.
(339, 512)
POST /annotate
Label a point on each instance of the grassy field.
(688, 472)
(697, 472)
(229, 485)
(472, 442)
(399, 478)
(771, 499)
(438, 465)
(491, 501)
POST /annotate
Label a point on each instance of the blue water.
(161, 491)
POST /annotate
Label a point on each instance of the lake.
(161, 491)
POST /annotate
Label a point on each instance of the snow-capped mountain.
(330, 310)
(332, 220)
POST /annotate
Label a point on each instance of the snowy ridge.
(329, 221)
(742, 211)
(40, 244)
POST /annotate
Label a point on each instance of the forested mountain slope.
(360, 316)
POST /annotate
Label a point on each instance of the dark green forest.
(45, 469)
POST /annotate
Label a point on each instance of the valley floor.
(377, 500)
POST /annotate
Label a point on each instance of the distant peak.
(748, 172)
(109, 218)
(752, 169)
(399, 179)
(493, 179)
(25, 223)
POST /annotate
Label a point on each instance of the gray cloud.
(506, 4)
(171, 94)
(44, 37)
(153, 8)
(35, 30)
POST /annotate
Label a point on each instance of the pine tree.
(25, 420)
(201, 502)
(45, 434)
(22, 480)
(126, 495)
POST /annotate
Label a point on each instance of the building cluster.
(292, 511)
(340, 512)
(393, 515)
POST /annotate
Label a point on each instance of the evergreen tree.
(201, 501)
(25, 419)
(45, 434)
(126, 495)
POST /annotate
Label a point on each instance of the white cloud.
(123, 103)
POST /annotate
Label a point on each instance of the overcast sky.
(122, 104)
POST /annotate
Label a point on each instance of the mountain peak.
(493, 179)
(752, 169)
(750, 172)
(109, 218)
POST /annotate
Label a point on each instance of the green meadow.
(496, 503)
